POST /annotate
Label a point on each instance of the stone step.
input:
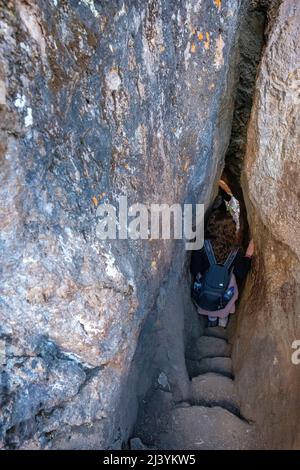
(219, 365)
(209, 346)
(202, 428)
(136, 444)
(212, 389)
(216, 332)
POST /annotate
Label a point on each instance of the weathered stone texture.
(267, 380)
(97, 100)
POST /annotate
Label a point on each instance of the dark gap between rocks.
(162, 391)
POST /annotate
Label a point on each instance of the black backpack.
(211, 292)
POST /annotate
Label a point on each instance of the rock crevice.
(150, 100)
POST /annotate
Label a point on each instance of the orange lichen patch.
(207, 42)
(200, 36)
(95, 201)
(193, 48)
(218, 4)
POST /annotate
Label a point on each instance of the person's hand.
(250, 249)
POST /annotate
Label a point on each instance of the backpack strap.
(231, 257)
(210, 252)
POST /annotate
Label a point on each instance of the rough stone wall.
(97, 100)
(268, 322)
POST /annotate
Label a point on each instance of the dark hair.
(221, 230)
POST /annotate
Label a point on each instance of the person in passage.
(240, 267)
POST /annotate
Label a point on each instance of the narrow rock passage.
(210, 419)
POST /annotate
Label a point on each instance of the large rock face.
(267, 379)
(97, 100)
